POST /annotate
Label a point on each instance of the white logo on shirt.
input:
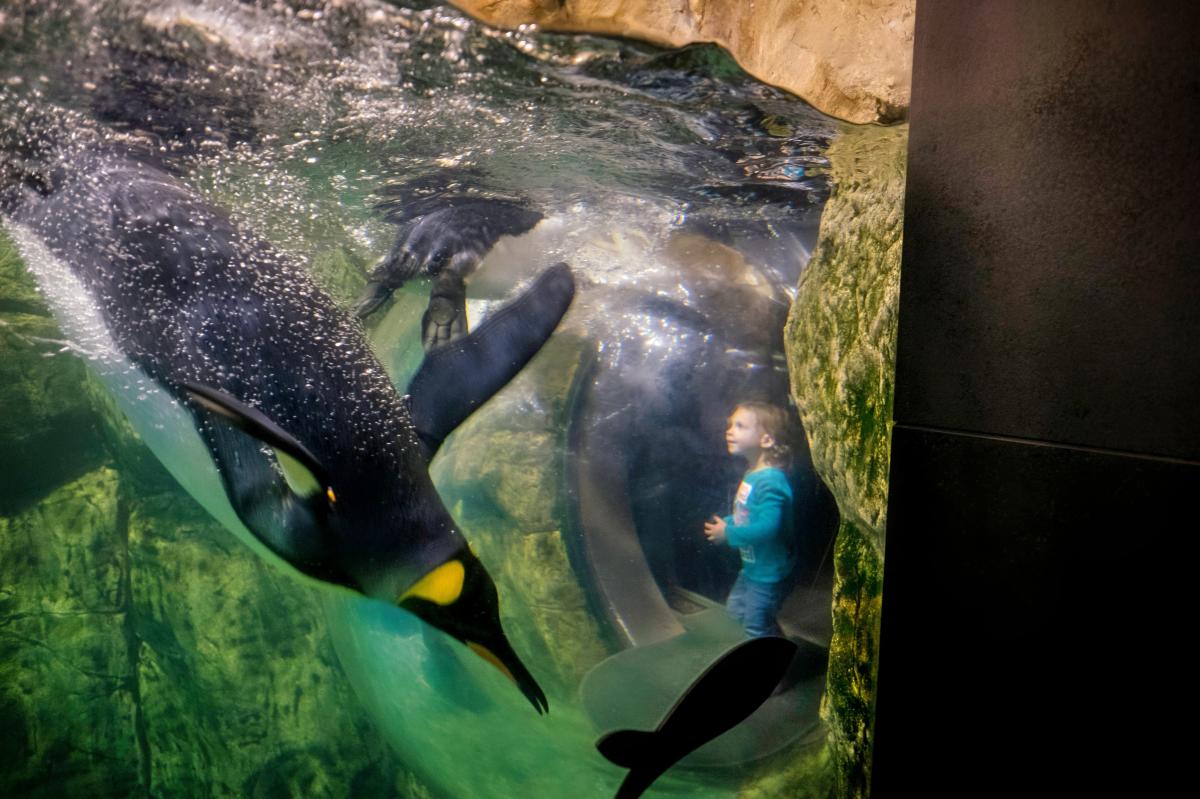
(741, 515)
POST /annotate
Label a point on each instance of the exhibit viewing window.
(402, 403)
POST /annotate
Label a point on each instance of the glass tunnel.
(291, 364)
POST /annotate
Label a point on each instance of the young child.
(760, 526)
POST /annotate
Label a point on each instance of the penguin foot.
(376, 293)
(440, 234)
(445, 318)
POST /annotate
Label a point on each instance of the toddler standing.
(760, 525)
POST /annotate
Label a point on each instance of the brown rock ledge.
(851, 59)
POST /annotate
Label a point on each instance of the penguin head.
(459, 598)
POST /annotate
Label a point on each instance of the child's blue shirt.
(760, 525)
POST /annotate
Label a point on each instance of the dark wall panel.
(1051, 279)
(1046, 454)
(1032, 622)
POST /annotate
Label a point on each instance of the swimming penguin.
(726, 693)
(448, 223)
(318, 455)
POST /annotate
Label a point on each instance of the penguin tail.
(642, 753)
(628, 748)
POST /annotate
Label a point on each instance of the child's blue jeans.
(755, 604)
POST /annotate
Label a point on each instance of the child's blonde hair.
(777, 423)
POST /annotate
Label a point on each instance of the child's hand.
(714, 530)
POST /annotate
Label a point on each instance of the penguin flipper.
(458, 377)
(283, 521)
(254, 422)
(280, 506)
(628, 748)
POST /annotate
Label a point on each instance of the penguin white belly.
(165, 426)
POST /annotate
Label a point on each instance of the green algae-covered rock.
(68, 701)
(802, 771)
(239, 686)
(841, 342)
(341, 272)
(145, 651)
(553, 601)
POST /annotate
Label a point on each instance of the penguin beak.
(460, 599)
(505, 660)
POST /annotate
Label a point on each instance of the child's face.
(744, 436)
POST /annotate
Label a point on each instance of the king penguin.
(323, 461)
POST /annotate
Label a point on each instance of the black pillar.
(1037, 608)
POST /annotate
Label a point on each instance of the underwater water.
(684, 195)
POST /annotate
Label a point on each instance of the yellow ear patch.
(442, 586)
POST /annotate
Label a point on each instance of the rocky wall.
(841, 344)
(851, 59)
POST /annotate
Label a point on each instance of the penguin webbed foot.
(445, 318)
(441, 234)
(393, 270)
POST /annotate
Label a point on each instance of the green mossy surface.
(803, 771)
(841, 343)
(244, 640)
(147, 652)
(341, 272)
(67, 694)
